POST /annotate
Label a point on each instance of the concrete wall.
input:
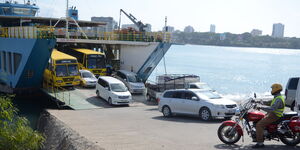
(60, 137)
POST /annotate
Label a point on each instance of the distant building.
(168, 29)
(212, 28)
(223, 36)
(256, 32)
(189, 29)
(278, 30)
(111, 24)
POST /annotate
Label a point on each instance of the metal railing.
(59, 93)
(51, 32)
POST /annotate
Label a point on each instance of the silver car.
(88, 79)
(207, 104)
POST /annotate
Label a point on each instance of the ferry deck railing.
(59, 93)
(51, 32)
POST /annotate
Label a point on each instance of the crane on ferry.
(139, 24)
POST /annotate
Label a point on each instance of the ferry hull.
(23, 62)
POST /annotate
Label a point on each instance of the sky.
(235, 16)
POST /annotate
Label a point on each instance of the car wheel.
(109, 101)
(167, 111)
(205, 114)
(98, 95)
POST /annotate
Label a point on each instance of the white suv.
(113, 91)
(205, 103)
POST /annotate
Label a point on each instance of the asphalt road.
(142, 127)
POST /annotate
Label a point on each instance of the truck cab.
(199, 85)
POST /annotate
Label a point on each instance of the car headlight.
(219, 106)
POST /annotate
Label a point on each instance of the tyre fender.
(232, 123)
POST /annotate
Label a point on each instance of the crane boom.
(139, 24)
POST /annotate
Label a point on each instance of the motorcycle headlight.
(219, 106)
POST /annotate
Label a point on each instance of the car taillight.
(157, 100)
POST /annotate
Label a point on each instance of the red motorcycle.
(286, 129)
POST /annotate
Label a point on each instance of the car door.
(190, 103)
(106, 90)
(176, 103)
(100, 87)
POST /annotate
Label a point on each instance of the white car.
(113, 91)
(130, 79)
(205, 103)
(88, 79)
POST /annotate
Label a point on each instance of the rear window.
(293, 84)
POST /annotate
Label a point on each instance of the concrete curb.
(61, 137)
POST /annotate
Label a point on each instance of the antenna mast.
(67, 20)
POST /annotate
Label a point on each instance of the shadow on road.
(187, 119)
(245, 147)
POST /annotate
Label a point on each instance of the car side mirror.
(194, 98)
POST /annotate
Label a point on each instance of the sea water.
(234, 72)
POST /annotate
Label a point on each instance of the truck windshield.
(61, 71)
(73, 70)
(96, 61)
(66, 70)
(133, 78)
(118, 87)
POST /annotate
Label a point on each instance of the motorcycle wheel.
(290, 140)
(223, 134)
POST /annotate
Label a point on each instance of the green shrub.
(15, 132)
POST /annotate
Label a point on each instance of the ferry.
(27, 41)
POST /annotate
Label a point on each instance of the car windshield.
(61, 71)
(117, 87)
(73, 70)
(96, 61)
(203, 86)
(133, 78)
(87, 75)
(208, 94)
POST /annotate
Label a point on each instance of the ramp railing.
(59, 93)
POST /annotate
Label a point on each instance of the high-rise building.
(111, 24)
(212, 28)
(168, 29)
(189, 29)
(256, 32)
(278, 30)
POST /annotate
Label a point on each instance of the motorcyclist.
(274, 111)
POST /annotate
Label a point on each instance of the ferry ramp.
(79, 98)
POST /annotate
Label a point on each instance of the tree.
(15, 132)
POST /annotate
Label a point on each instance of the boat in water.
(26, 43)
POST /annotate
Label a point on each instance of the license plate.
(231, 111)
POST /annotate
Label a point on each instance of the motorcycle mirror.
(254, 95)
